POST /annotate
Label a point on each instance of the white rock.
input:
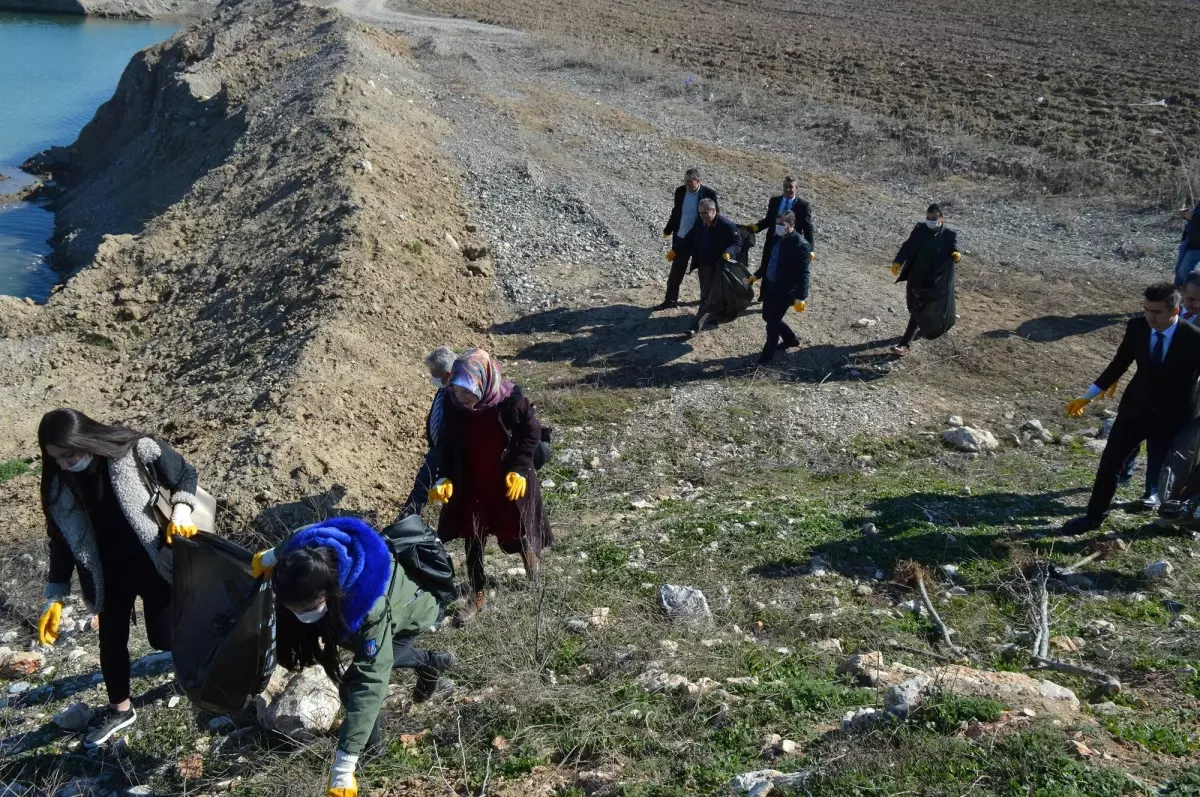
(1099, 628)
(829, 646)
(954, 420)
(951, 571)
(1158, 570)
(306, 708)
(859, 718)
(9, 637)
(869, 530)
(964, 438)
(685, 604)
(863, 323)
(173, 701)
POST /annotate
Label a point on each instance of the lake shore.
(116, 9)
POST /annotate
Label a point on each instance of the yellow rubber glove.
(181, 523)
(1075, 407)
(516, 486)
(727, 257)
(262, 563)
(753, 280)
(1112, 391)
(670, 256)
(812, 256)
(896, 269)
(753, 228)
(800, 306)
(957, 256)
(50, 623)
(441, 492)
(343, 791)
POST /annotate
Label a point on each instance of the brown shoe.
(471, 608)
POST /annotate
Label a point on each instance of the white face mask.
(433, 380)
(313, 615)
(780, 230)
(931, 223)
(81, 465)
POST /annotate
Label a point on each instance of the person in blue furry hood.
(337, 585)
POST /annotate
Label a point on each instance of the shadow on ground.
(1052, 328)
(627, 346)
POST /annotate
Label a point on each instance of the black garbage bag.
(224, 645)
(933, 305)
(729, 292)
(1179, 479)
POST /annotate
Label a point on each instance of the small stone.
(9, 637)
(221, 725)
(75, 718)
(964, 438)
(173, 701)
(1064, 643)
(829, 646)
(576, 626)
(1079, 749)
(1097, 628)
(22, 664)
(500, 744)
(684, 604)
(954, 421)
(863, 323)
(1162, 569)
(863, 591)
(950, 570)
(599, 617)
(19, 688)
(1028, 712)
(859, 719)
(869, 530)
(1102, 651)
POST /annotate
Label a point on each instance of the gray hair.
(706, 204)
(691, 174)
(441, 358)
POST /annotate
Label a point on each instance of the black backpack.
(425, 560)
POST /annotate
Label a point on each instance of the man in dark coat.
(1159, 401)
(685, 215)
(926, 262)
(713, 239)
(785, 284)
(1188, 258)
(778, 205)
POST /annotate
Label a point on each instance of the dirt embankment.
(268, 215)
(123, 9)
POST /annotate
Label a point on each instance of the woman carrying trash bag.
(98, 496)
(337, 584)
(487, 479)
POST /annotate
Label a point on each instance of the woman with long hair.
(487, 480)
(337, 586)
(99, 488)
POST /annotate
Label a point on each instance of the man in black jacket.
(1159, 401)
(684, 217)
(926, 262)
(713, 239)
(778, 205)
(785, 284)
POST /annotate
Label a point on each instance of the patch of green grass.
(11, 469)
(99, 341)
(946, 711)
(1154, 736)
(417, 247)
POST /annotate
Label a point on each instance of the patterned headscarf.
(476, 371)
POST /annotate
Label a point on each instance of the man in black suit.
(785, 284)
(1159, 401)
(684, 217)
(778, 205)
(713, 239)
(926, 262)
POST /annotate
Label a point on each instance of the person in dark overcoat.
(785, 285)
(926, 262)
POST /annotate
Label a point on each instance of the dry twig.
(1110, 684)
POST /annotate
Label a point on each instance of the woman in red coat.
(486, 476)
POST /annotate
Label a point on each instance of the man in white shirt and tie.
(789, 200)
(1159, 401)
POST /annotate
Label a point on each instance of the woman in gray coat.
(99, 489)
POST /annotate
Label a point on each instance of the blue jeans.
(1185, 263)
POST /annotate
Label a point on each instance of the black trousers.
(1126, 436)
(679, 268)
(419, 495)
(774, 307)
(122, 587)
(910, 332)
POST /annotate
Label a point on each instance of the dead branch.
(462, 748)
(933, 615)
(936, 656)
(1041, 642)
(487, 775)
(1110, 684)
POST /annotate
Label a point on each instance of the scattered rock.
(1095, 446)
(1010, 688)
(829, 646)
(860, 718)
(1096, 628)
(599, 617)
(21, 664)
(1064, 643)
(954, 421)
(576, 626)
(685, 604)
(173, 701)
(748, 680)
(964, 438)
(1108, 707)
(9, 637)
(221, 725)
(763, 782)
(863, 590)
(19, 688)
(863, 323)
(74, 718)
(139, 791)
(656, 682)
(1079, 749)
(304, 709)
(869, 530)
(474, 253)
(1156, 571)
(500, 744)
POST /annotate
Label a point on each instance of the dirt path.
(571, 156)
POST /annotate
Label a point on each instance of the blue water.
(55, 71)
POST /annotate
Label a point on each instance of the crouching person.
(337, 585)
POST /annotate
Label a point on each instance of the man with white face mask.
(926, 262)
(440, 362)
(785, 285)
